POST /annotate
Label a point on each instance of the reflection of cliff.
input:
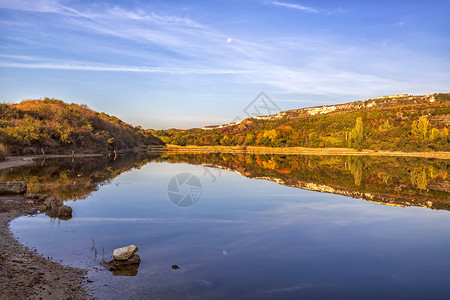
(386, 180)
(69, 179)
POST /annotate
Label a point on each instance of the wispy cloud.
(151, 220)
(115, 68)
(147, 40)
(293, 6)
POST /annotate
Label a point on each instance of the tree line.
(414, 125)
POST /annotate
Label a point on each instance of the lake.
(248, 226)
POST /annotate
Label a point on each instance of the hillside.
(400, 123)
(53, 126)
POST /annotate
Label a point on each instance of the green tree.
(357, 133)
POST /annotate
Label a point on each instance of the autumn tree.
(420, 127)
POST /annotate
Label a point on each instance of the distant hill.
(53, 126)
(398, 122)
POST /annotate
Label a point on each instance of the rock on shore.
(125, 261)
(125, 253)
(55, 208)
(13, 188)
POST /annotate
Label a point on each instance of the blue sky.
(184, 64)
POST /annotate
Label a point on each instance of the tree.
(357, 133)
(434, 134)
(420, 128)
(249, 139)
(271, 135)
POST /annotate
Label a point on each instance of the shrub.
(3, 152)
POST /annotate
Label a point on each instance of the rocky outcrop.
(13, 188)
(53, 203)
(55, 208)
(125, 253)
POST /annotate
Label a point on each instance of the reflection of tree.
(386, 179)
(356, 168)
(381, 179)
(419, 178)
(67, 179)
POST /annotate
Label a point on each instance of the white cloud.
(114, 68)
(293, 6)
(171, 44)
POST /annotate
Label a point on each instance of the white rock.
(125, 253)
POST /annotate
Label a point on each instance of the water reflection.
(385, 180)
(256, 239)
(74, 179)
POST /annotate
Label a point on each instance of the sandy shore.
(25, 274)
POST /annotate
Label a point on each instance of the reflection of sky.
(279, 241)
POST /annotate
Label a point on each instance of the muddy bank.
(23, 273)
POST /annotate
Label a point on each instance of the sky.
(183, 64)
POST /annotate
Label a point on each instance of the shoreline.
(19, 161)
(301, 151)
(26, 274)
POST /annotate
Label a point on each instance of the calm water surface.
(246, 239)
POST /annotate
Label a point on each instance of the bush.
(3, 152)
(55, 126)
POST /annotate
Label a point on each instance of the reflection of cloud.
(150, 220)
(288, 289)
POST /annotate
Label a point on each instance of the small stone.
(125, 253)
